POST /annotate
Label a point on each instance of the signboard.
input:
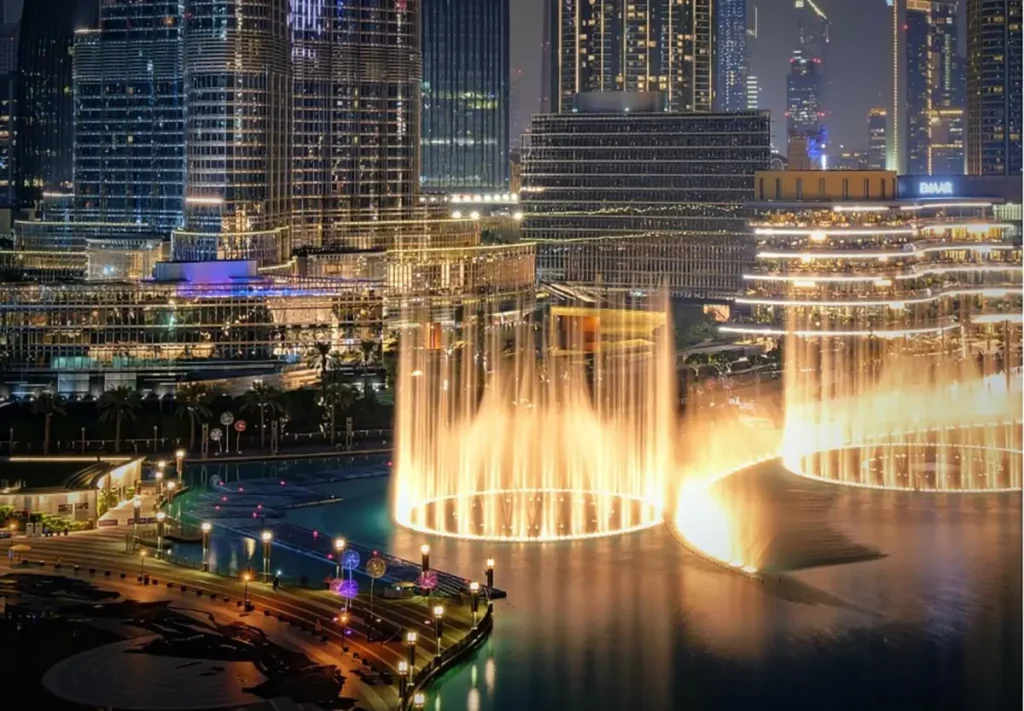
(106, 522)
(215, 434)
(226, 418)
(240, 426)
(348, 426)
(935, 187)
(65, 508)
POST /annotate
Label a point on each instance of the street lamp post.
(424, 558)
(160, 483)
(245, 591)
(339, 548)
(474, 599)
(403, 679)
(179, 456)
(438, 616)
(142, 564)
(171, 486)
(419, 701)
(410, 641)
(206, 527)
(160, 516)
(490, 573)
(266, 537)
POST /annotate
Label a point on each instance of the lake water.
(638, 622)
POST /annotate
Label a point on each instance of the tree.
(48, 404)
(368, 351)
(194, 402)
(338, 395)
(118, 404)
(262, 397)
(319, 357)
(390, 362)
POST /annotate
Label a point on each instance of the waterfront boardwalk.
(307, 618)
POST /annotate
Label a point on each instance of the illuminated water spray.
(541, 429)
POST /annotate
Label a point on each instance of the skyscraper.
(815, 36)
(994, 68)
(803, 110)
(8, 84)
(731, 60)
(238, 89)
(924, 79)
(465, 95)
(130, 115)
(877, 121)
(806, 114)
(646, 45)
(44, 123)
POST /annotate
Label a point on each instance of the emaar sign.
(935, 187)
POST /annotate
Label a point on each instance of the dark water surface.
(637, 622)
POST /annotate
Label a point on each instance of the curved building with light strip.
(900, 323)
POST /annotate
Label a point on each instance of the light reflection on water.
(637, 622)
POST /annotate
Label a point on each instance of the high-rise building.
(8, 86)
(637, 46)
(623, 194)
(994, 68)
(803, 95)
(815, 30)
(130, 116)
(44, 123)
(465, 95)
(877, 122)
(806, 115)
(753, 93)
(238, 142)
(731, 59)
(356, 73)
(924, 79)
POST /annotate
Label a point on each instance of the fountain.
(539, 429)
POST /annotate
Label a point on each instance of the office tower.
(924, 79)
(356, 73)
(44, 122)
(803, 108)
(130, 116)
(623, 194)
(548, 59)
(994, 68)
(648, 45)
(815, 30)
(877, 120)
(465, 114)
(237, 134)
(8, 85)
(731, 60)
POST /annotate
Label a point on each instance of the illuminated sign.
(934, 187)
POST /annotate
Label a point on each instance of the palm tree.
(48, 405)
(368, 351)
(194, 402)
(338, 395)
(319, 357)
(117, 404)
(262, 397)
(390, 362)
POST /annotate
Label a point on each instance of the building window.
(760, 189)
(799, 188)
(846, 189)
(778, 188)
(867, 189)
(821, 188)
(884, 196)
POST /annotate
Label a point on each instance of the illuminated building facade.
(356, 84)
(806, 115)
(45, 103)
(8, 87)
(925, 67)
(877, 127)
(803, 96)
(994, 87)
(731, 60)
(465, 139)
(237, 137)
(854, 261)
(130, 116)
(635, 46)
(637, 198)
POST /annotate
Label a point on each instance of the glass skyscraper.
(465, 95)
(731, 60)
(632, 45)
(45, 104)
(994, 88)
(130, 116)
(639, 197)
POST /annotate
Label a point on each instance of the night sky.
(859, 63)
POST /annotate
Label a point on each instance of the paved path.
(104, 549)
